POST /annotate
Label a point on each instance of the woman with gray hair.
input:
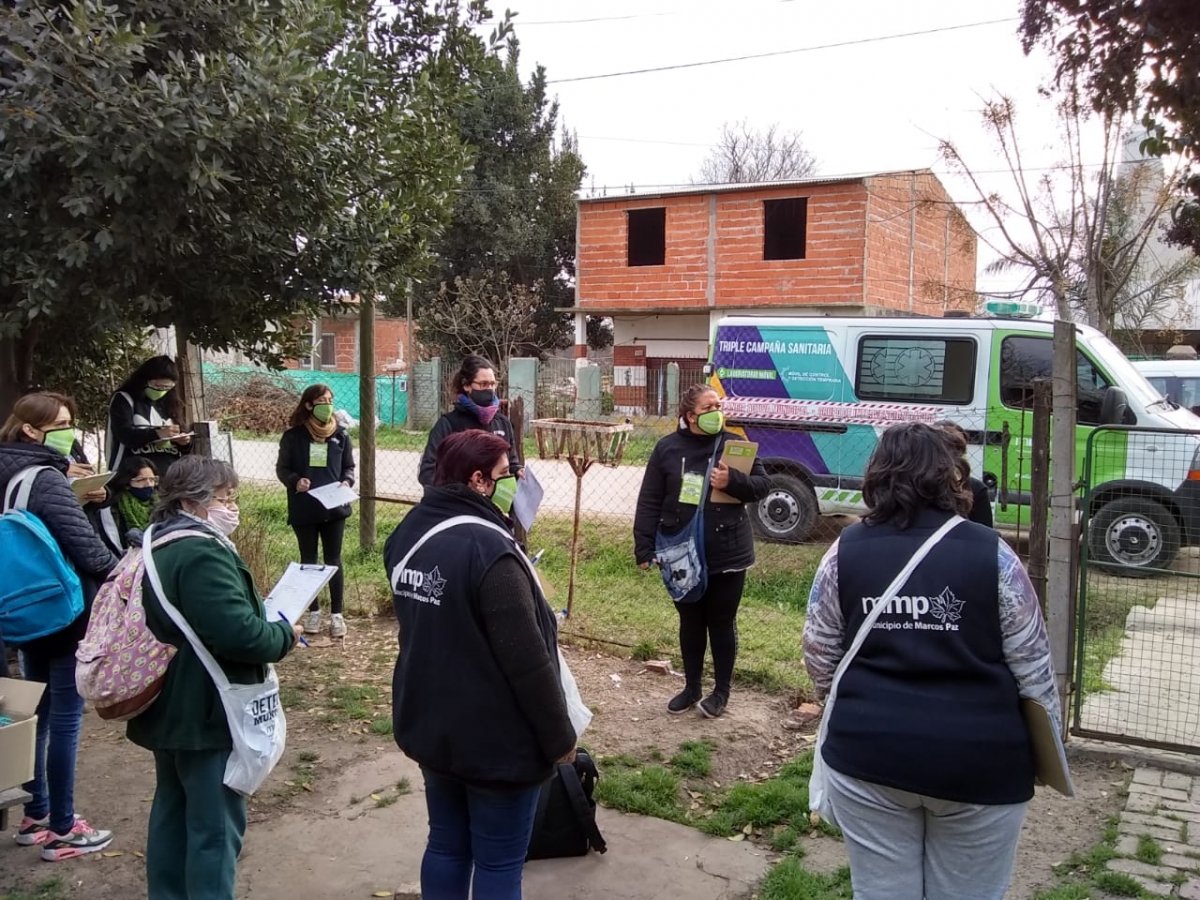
(196, 823)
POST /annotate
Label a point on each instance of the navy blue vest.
(928, 705)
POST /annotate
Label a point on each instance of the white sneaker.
(312, 623)
(337, 625)
(79, 841)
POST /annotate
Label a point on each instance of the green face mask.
(323, 412)
(62, 440)
(155, 394)
(506, 490)
(711, 422)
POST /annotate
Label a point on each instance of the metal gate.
(1137, 661)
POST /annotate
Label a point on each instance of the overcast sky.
(878, 101)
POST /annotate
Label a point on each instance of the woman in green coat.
(196, 823)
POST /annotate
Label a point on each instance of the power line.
(773, 53)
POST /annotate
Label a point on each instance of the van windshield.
(1124, 375)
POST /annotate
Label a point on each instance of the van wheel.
(788, 513)
(1134, 536)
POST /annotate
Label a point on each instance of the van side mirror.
(1114, 409)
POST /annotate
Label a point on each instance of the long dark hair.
(958, 438)
(311, 393)
(155, 368)
(468, 370)
(915, 466)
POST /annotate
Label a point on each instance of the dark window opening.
(785, 223)
(647, 236)
(1023, 359)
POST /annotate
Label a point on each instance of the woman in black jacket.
(477, 407)
(676, 467)
(314, 452)
(144, 417)
(40, 433)
(130, 499)
(981, 500)
(477, 699)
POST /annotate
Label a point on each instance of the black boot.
(683, 701)
(714, 704)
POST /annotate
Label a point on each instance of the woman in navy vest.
(928, 758)
(314, 452)
(667, 500)
(477, 699)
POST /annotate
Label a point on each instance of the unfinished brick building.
(665, 266)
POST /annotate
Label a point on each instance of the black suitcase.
(565, 823)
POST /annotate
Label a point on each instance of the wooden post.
(1039, 474)
(189, 360)
(1063, 542)
(366, 425)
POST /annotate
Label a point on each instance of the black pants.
(711, 619)
(330, 534)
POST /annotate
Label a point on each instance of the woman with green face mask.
(314, 452)
(671, 491)
(145, 417)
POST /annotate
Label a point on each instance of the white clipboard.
(294, 593)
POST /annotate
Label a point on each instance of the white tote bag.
(818, 792)
(257, 725)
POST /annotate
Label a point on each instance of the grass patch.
(51, 889)
(1066, 892)
(694, 759)
(643, 651)
(789, 880)
(308, 756)
(779, 804)
(649, 791)
(352, 702)
(1117, 883)
(403, 787)
(1149, 850)
(381, 725)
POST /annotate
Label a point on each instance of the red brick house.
(336, 341)
(665, 266)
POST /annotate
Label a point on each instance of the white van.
(1176, 379)
(815, 393)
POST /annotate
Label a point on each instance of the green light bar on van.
(1012, 309)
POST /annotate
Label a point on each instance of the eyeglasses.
(484, 385)
(161, 385)
(144, 482)
(229, 500)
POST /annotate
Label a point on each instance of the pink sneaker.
(33, 831)
(82, 839)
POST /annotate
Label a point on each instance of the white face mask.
(224, 519)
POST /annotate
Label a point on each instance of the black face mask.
(483, 398)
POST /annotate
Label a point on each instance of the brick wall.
(390, 343)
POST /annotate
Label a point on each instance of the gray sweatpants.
(905, 846)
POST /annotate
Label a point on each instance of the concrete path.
(1155, 676)
(354, 850)
(606, 491)
(1164, 806)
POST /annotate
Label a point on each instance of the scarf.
(484, 414)
(321, 433)
(135, 512)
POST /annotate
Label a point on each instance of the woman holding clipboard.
(316, 451)
(671, 491)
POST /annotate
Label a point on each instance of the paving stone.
(1127, 845)
(1158, 832)
(1181, 862)
(1142, 803)
(1160, 792)
(1159, 819)
(1137, 867)
(1157, 888)
(1144, 775)
(1190, 890)
(1177, 782)
(1186, 809)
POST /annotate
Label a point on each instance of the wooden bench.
(8, 799)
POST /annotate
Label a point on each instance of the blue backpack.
(40, 593)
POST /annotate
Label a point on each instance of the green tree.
(1132, 56)
(513, 225)
(221, 166)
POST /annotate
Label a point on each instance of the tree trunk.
(191, 380)
(16, 368)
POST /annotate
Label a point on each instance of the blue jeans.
(473, 827)
(60, 714)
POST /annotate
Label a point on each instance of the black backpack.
(565, 823)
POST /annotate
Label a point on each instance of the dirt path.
(338, 703)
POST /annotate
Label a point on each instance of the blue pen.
(537, 557)
(303, 642)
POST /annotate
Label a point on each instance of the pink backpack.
(120, 665)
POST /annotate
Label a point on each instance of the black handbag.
(565, 822)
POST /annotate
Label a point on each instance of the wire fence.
(1139, 606)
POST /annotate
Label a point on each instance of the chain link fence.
(1139, 600)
